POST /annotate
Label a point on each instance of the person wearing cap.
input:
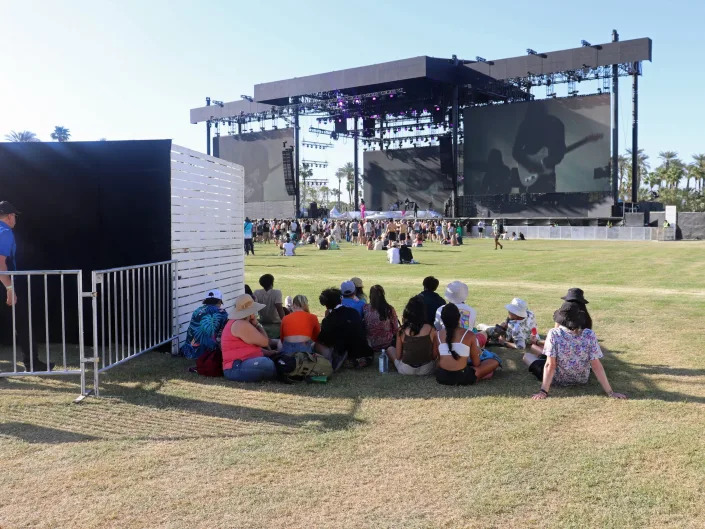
(244, 344)
(249, 246)
(519, 325)
(206, 326)
(570, 352)
(347, 288)
(456, 293)
(359, 292)
(8, 263)
(342, 335)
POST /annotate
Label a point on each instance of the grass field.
(164, 448)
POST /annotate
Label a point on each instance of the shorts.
(392, 236)
(480, 230)
(422, 370)
(289, 348)
(402, 236)
(463, 377)
(354, 234)
(536, 367)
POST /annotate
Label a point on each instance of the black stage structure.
(419, 100)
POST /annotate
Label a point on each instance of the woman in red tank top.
(244, 344)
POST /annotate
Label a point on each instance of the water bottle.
(383, 362)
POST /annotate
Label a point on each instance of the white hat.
(517, 307)
(214, 293)
(456, 292)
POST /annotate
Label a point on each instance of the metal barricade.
(57, 290)
(134, 311)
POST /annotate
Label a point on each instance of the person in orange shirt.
(299, 329)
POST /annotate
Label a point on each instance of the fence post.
(175, 312)
(81, 337)
(94, 309)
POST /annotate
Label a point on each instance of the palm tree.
(348, 172)
(325, 193)
(304, 174)
(643, 167)
(61, 134)
(622, 168)
(699, 162)
(24, 136)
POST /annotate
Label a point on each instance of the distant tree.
(643, 168)
(346, 172)
(23, 136)
(325, 195)
(698, 170)
(304, 174)
(61, 134)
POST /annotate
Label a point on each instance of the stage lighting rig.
(585, 43)
(480, 59)
(248, 98)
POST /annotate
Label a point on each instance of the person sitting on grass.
(271, 316)
(322, 243)
(299, 329)
(381, 321)
(342, 336)
(244, 345)
(333, 243)
(456, 293)
(515, 332)
(379, 244)
(359, 289)
(349, 299)
(431, 299)
(570, 352)
(460, 362)
(206, 326)
(288, 248)
(414, 352)
(418, 243)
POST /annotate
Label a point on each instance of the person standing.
(8, 263)
(480, 229)
(249, 246)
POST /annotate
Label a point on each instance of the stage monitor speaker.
(289, 176)
(313, 210)
(368, 127)
(439, 116)
(446, 154)
(341, 125)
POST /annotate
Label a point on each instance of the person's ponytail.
(450, 316)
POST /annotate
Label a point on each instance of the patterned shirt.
(573, 354)
(519, 331)
(205, 330)
(380, 333)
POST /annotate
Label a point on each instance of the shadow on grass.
(35, 434)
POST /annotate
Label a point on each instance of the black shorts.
(463, 377)
(402, 236)
(536, 367)
(480, 230)
(354, 234)
(392, 236)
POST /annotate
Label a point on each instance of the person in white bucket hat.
(456, 293)
(521, 325)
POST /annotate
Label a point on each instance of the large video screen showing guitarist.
(546, 146)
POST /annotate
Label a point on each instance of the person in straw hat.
(245, 344)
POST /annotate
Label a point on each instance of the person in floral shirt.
(381, 321)
(570, 352)
(520, 323)
(206, 326)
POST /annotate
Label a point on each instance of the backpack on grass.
(302, 366)
(210, 363)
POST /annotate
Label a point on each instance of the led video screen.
(392, 176)
(543, 146)
(260, 154)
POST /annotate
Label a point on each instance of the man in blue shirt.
(248, 237)
(349, 300)
(8, 263)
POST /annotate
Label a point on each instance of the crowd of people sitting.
(327, 234)
(435, 335)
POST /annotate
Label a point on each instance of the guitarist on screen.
(540, 146)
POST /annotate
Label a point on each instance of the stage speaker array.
(341, 125)
(289, 175)
(368, 128)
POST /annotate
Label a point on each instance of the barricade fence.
(133, 310)
(45, 325)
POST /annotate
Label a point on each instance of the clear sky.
(132, 69)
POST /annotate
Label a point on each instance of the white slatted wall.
(207, 205)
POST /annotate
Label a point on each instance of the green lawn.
(164, 448)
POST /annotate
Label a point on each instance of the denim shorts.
(289, 348)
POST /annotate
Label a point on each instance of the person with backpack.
(206, 326)
(245, 345)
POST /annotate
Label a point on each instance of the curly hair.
(414, 316)
(330, 298)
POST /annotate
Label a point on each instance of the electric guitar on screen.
(529, 178)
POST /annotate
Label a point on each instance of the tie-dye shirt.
(467, 317)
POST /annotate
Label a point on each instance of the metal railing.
(134, 311)
(56, 292)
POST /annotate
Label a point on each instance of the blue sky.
(133, 69)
